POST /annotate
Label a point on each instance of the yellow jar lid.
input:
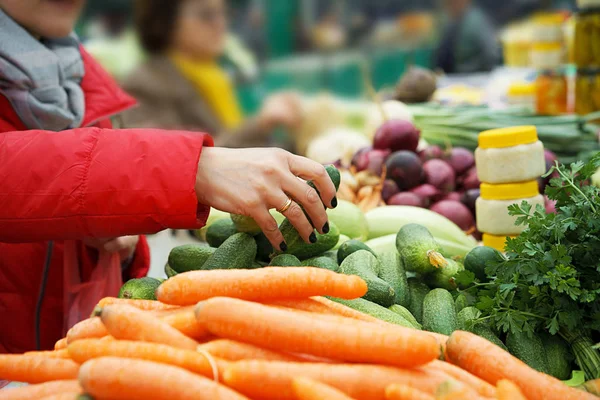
(521, 89)
(509, 191)
(507, 137)
(548, 19)
(547, 46)
(495, 242)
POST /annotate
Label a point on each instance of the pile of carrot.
(267, 334)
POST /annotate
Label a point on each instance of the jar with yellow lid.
(521, 94)
(510, 155)
(497, 242)
(492, 206)
(552, 92)
(548, 27)
(547, 55)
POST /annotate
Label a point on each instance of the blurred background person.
(468, 42)
(181, 84)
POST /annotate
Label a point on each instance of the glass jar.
(587, 91)
(552, 92)
(492, 206)
(521, 94)
(510, 155)
(586, 43)
(548, 27)
(584, 4)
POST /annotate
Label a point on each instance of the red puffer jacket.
(86, 182)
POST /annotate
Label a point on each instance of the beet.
(397, 135)
(454, 196)
(404, 168)
(426, 192)
(389, 189)
(470, 180)
(368, 159)
(430, 153)
(469, 198)
(461, 160)
(456, 212)
(406, 199)
(440, 174)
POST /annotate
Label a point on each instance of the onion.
(404, 168)
(370, 160)
(469, 198)
(454, 196)
(426, 192)
(461, 159)
(406, 199)
(455, 212)
(389, 189)
(397, 135)
(431, 152)
(440, 174)
(470, 180)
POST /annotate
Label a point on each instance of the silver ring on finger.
(286, 206)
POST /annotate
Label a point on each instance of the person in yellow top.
(181, 84)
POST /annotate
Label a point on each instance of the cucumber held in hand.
(350, 247)
(478, 258)
(392, 271)
(439, 314)
(419, 250)
(364, 264)
(248, 225)
(322, 262)
(237, 252)
(299, 248)
(285, 260)
(219, 232)
(189, 257)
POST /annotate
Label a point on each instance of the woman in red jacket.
(67, 179)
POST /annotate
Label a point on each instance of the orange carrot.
(36, 369)
(232, 350)
(509, 391)
(404, 392)
(322, 305)
(441, 341)
(453, 390)
(87, 349)
(130, 323)
(61, 344)
(326, 336)
(272, 380)
(489, 362)
(146, 305)
(63, 396)
(63, 353)
(308, 389)
(40, 390)
(87, 329)
(263, 284)
(481, 386)
(184, 320)
(113, 377)
(592, 386)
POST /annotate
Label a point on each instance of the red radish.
(550, 205)
(427, 192)
(406, 199)
(440, 174)
(469, 198)
(404, 168)
(454, 196)
(397, 135)
(456, 212)
(389, 189)
(461, 160)
(370, 160)
(430, 153)
(470, 179)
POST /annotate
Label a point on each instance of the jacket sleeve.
(93, 182)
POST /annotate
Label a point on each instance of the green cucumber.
(418, 249)
(404, 313)
(299, 248)
(264, 249)
(140, 288)
(439, 314)
(285, 260)
(237, 252)
(418, 290)
(364, 264)
(443, 277)
(486, 332)
(460, 302)
(392, 271)
(528, 349)
(377, 311)
(478, 258)
(248, 225)
(350, 247)
(219, 231)
(322, 262)
(559, 356)
(189, 257)
(169, 271)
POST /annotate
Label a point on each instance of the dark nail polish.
(334, 202)
(326, 227)
(283, 246)
(313, 238)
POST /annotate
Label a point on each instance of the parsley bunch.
(550, 279)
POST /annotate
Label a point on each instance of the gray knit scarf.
(41, 78)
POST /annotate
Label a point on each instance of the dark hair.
(155, 23)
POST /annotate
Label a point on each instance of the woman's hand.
(252, 181)
(124, 245)
(280, 110)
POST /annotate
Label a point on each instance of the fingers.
(296, 216)
(269, 227)
(121, 243)
(309, 199)
(311, 170)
